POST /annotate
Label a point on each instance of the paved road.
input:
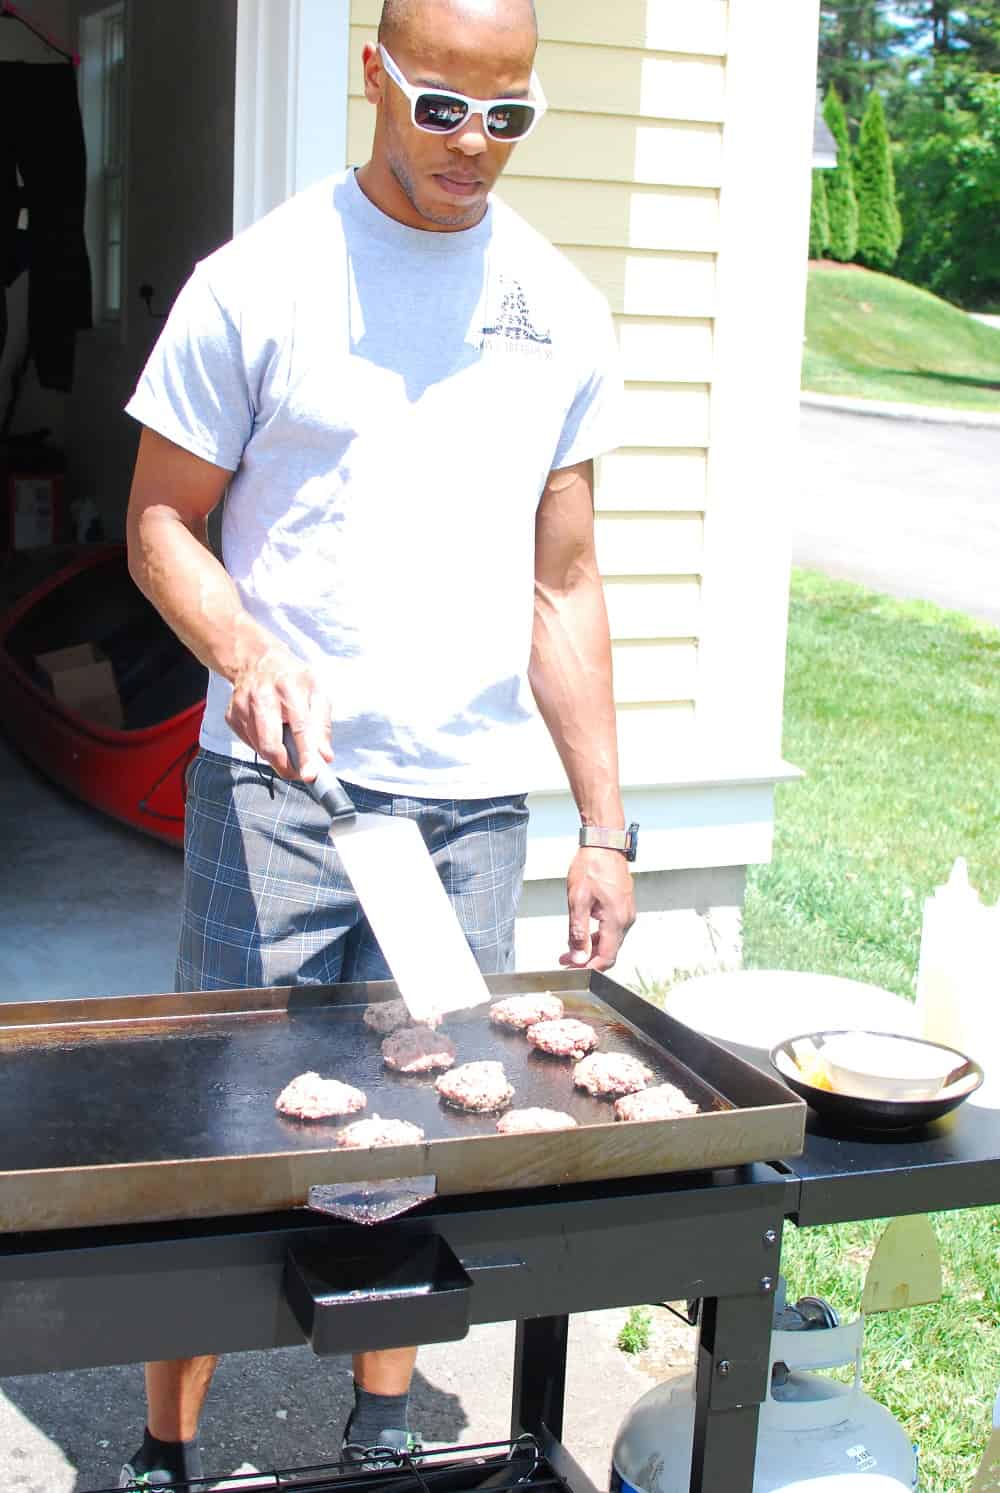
(904, 507)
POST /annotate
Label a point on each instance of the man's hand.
(599, 887)
(272, 690)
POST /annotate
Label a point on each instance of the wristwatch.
(625, 840)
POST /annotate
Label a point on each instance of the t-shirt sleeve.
(194, 388)
(593, 425)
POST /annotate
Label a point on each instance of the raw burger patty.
(566, 1038)
(665, 1102)
(476, 1086)
(522, 1011)
(608, 1074)
(418, 1049)
(388, 1016)
(521, 1121)
(378, 1132)
(310, 1097)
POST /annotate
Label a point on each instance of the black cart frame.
(118, 1295)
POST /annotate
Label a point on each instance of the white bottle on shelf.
(958, 978)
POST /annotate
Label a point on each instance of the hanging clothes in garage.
(41, 141)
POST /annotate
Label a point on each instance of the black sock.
(373, 1414)
(180, 1460)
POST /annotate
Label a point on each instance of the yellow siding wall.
(624, 176)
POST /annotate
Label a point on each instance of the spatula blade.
(408, 909)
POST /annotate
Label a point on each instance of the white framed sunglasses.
(441, 112)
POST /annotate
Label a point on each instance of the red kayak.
(133, 770)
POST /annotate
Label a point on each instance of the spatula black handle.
(326, 788)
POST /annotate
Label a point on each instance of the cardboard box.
(83, 680)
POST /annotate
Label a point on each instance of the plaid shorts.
(266, 900)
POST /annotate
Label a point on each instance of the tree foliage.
(949, 185)
(968, 33)
(858, 44)
(879, 225)
(819, 217)
(935, 64)
(841, 202)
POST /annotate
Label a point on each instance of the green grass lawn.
(892, 709)
(873, 337)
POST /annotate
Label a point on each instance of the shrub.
(841, 202)
(879, 231)
(819, 217)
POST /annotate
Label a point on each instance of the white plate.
(762, 1007)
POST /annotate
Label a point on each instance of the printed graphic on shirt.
(514, 327)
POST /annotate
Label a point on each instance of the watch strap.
(597, 837)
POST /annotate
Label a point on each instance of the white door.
(291, 100)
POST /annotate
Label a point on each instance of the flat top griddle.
(130, 1109)
(206, 1086)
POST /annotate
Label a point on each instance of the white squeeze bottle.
(958, 978)
(944, 939)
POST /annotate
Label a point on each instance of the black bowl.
(851, 1111)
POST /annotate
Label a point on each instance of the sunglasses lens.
(439, 111)
(510, 121)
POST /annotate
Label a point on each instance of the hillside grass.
(870, 336)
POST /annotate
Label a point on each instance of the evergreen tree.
(841, 202)
(858, 42)
(819, 217)
(878, 218)
(965, 31)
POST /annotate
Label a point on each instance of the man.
(399, 388)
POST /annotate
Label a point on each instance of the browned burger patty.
(387, 1017)
(664, 1102)
(521, 1011)
(522, 1121)
(418, 1049)
(566, 1038)
(608, 1074)
(476, 1086)
(378, 1132)
(310, 1097)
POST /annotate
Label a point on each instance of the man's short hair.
(398, 14)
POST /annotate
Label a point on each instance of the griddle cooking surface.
(195, 1088)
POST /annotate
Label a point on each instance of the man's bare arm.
(570, 676)
(173, 493)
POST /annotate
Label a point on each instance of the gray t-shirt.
(390, 402)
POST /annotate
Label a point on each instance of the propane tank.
(811, 1428)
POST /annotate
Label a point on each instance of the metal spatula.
(404, 900)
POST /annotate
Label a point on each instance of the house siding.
(624, 177)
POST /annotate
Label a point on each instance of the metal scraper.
(404, 900)
(905, 1269)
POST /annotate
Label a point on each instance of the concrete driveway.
(904, 507)
(64, 1433)
(87, 907)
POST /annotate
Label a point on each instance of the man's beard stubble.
(399, 166)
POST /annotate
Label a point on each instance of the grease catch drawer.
(393, 1292)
